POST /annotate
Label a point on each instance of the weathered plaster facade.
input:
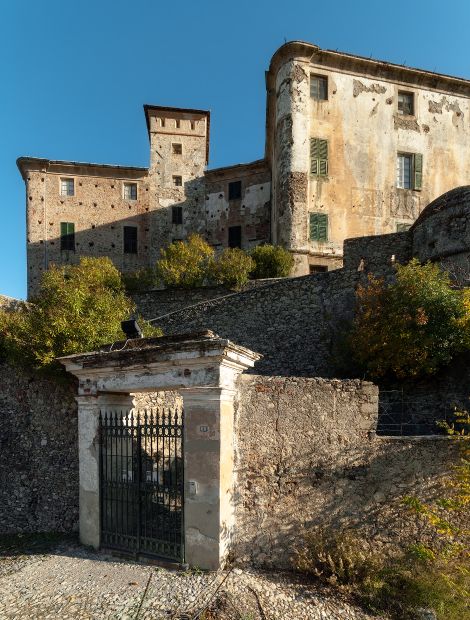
(273, 199)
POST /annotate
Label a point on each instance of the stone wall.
(307, 455)
(38, 454)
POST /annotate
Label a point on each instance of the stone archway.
(203, 367)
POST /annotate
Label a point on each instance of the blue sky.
(74, 75)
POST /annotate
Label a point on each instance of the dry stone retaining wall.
(307, 455)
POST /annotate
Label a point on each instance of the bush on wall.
(411, 327)
(231, 268)
(185, 264)
(78, 308)
(271, 261)
(140, 280)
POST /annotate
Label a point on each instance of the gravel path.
(70, 582)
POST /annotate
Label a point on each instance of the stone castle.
(354, 147)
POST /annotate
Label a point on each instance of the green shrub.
(140, 280)
(411, 327)
(185, 264)
(271, 261)
(78, 308)
(231, 268)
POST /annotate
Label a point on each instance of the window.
(177, 181)
(176, 215)
(130, 191)
(177, 149)
(319, 87)
(193, 125)
(403, 227)
(67, 236)
(130, 240)
(235, 190)
(409, 170)
(67, 187)
(405, 103)
(177, 123)
(318, 227)
(319, 157)
(235, 237)
(162, 122)
(318, 268)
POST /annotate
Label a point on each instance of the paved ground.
(61, 580)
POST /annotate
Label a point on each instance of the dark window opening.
(405, 103)
(67, 236)
(235, 237)
(130, 240)
(176, 215)
(318, 268)
(235, 190)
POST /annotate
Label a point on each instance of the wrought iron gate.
(141, 482)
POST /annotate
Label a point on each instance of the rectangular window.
(130, 191)
(67, 236)
(67, 187)
(177, 181)
(318, 268)
(405, 103)
(235, 237)
(176, 215)
(409, 171)
(235, 190)
(318, 227)
(177, 148)
(130, 240)
(319, 87)
(178, 123)
(193, 125)
(319, 157)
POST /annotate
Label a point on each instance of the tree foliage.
(231, 268)
(271, 261)
(411, 327)
(139, 281)
(78, 308)
(185, 264)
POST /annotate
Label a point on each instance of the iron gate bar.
(141, 481)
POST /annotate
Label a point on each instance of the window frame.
(130, 243)
(128, 184)
(176, 215)
(67, 238)
(175, 179)
(232, 185)
(415, 171)
(409, 94)
(321, 80)
(322, 223)
(67, 180)
(177, 145)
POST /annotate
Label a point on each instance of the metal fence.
(418, 412)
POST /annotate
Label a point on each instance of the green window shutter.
(319, 157)
(318, 227)
(418, 171)
(67, 236)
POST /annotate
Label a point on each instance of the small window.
(405, 103)
(319, 87)
(130, 240)
(176, 215)
(318, 227)
(409, 171)
(162, 122)
(177, 181)
(319, 157)
(193, 125)
(130, 191)
(318, 268)
(67, 236)
(67, 187)
(235, 190)
(177, 148)
(235, 237)
(403, 226)
(177, 123)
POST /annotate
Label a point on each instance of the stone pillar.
(89, 407)
(208, 475)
